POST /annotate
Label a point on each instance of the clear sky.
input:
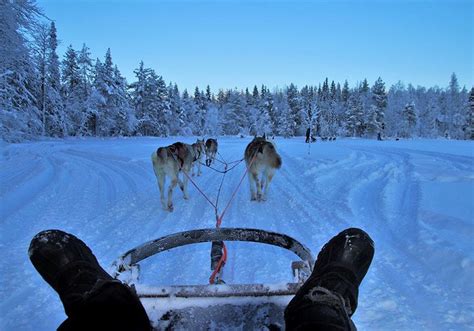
(231, 43)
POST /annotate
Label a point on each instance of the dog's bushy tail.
(277, 161)
(161, 153)
(274, 156)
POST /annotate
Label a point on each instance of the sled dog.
(211, 150)
(262, 158)
(169, 161)
(198, 151)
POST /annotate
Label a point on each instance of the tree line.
(43, 95)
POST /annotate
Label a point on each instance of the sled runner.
(247, 306)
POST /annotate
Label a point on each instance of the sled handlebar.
(159, 245)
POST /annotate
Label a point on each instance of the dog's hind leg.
(184, 184)
(254, 183)
(173, 183)
(161, 186)
(268, 176)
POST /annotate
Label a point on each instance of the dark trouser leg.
(110, 305)
(322, 310)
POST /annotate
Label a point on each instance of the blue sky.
(229, 44)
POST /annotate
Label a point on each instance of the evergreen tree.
(41, 50)
(189, 109)
(309, 107)
(176, 108)
(470, 118)
(200, 112)
(397, 98)
(89, 115)
(19, 115)
(109, 97)
(345, 92)
(355, 115)
(409, 119)
(295, 116)
(151, 103)
(55, 119)
(70, 93)
(208, 94)
(427, 117)
(70, 75)
(379, 98)
(285, 125)
(268, 108)
(235, 119)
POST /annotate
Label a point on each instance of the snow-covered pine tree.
(40, 49)
(355, 125)
(285, 122)
(176, 109)
(209, 96)
(255, 95)
(164, 112)
(110, 99)
(397, 98)
(151, 102)
(309, 107)
(189, 108)
(200, 109)
(428, 112)
(55, 117)
(379, 101)
(324, 114)
(70, 75)
(456, 108)
(70, 93)
(235, 117)
(409, 120)
(102, 88)
(345, 93)
(295, 115)
(470, 118)
(19, 115)
(267, 106)
(84, 91)
(125, 120)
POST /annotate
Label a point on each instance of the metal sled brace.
(128, 264)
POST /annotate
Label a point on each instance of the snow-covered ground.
(415, 198)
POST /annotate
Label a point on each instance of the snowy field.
(415, 198)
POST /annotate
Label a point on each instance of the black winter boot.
(92, 299)
(65, 262)
(329, 296)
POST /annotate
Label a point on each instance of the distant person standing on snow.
(308, 134)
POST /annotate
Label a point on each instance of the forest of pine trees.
(42, 94)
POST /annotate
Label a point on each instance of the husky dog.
(211, 150)
(261, 157)
(198, 151)
(169, 161)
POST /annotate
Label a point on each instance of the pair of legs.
(93, 300)
(259, 184)
(174, 180)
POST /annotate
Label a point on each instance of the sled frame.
(301, 269)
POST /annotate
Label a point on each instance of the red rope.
(219, 220)
(197, 187)
(223, 258)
